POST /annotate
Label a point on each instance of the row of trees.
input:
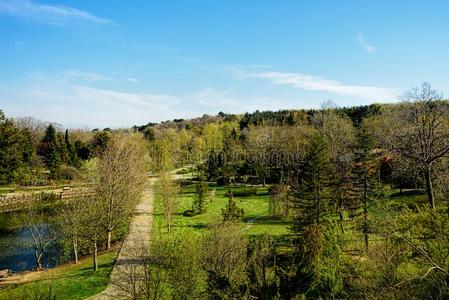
(32, 152)
(98, 216)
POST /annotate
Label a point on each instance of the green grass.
(255, 222)
(67, 282)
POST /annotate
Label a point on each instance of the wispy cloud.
(365, 46)
(318, 83)
(86, 76)
(132, 79)
(49, 13)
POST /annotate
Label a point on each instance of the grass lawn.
(67, 282)
(255, 222)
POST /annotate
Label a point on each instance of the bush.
(69, 173)
(222, 181)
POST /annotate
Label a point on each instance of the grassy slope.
(67, 282)
(256, 220)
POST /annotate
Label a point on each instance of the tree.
(16, 152)
(421, 136)
(50, 150)
(200, 201)
(42, 235)
(312, 192)
(262, 268)
(168, 190)
(92, 224)
(310, 201)
(224, 260)
(121, 179)
(70, 220)
(231, 213)
(279, 203)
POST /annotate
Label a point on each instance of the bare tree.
(121, 179)
(40, 232)
(168, 190)
(70, 222)
(422, 136)
(92, 228)
(224, 259)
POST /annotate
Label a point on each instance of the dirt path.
(138, 238)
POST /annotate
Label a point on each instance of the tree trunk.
(108, 246)
(38, 260)
(75, 249)
(365, 212)
(340, 213)
(95, 256)
(429, 187)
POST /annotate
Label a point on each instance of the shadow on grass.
(407, 193)
(195, 226)
(265, 220)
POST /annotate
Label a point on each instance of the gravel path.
(138, 238)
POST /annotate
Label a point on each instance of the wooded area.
(363, 191)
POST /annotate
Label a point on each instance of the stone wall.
(14, 201)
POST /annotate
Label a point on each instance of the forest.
(330, 203)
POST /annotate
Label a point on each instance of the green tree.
(200, 200)
(16, 152)
(232, 213)
(50, 150)
(310, 205)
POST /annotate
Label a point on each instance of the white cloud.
(365, 46)
(50, 13)
(318, 83)
(132, 79)
(87, 76)
(79, 105)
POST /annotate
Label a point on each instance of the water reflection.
(16, 252)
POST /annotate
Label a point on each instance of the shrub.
(69, 173)
(222, 181)
(231, 212)
(199, 203)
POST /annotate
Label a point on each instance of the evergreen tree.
(16, 152)
(366, 178)
(232, 212)
(200, 201)
(50, 150)
(310, 205)
(71, 149)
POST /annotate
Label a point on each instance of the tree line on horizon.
(365, 191)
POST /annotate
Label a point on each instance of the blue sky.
(119, 63)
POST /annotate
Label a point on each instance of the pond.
(16, 252)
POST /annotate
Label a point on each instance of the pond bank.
(68, 281)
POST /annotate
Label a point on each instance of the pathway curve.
(138, 238)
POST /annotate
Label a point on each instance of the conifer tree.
(231, 212)
(310, 204)
(50, 150)
(200, 201)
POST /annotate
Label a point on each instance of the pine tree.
(16, 152)
(200, 201)
(232, 213)
(310, 206)
(50, 150)
(312, 194)
(366, 171)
